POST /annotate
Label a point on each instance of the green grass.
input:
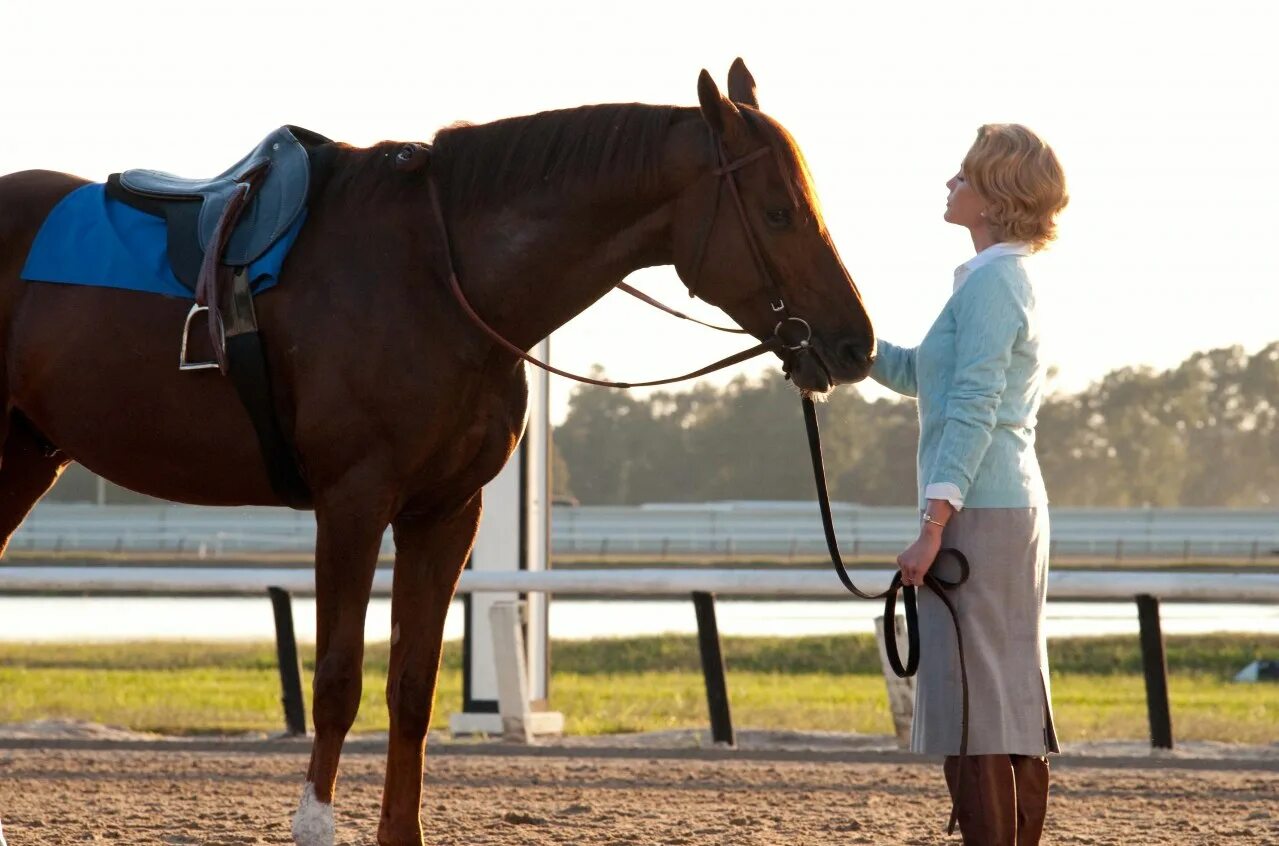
(639, 684)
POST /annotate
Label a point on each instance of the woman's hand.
(920, 555)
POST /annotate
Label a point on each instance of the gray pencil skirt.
(1001, 615)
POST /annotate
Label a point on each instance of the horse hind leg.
(348, 537)
(429, 557)
(29, 467)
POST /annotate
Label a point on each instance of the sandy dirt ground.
(112, 791)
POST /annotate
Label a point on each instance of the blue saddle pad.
(91, 239)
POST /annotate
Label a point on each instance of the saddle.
(277, 174)
(216, 228)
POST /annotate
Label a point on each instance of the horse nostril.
(855, 353)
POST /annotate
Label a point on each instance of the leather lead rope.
(937, 585)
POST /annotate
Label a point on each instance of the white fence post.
(901, 692)
(519, 721)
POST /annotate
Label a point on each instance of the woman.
(979, 381)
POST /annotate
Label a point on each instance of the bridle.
(728, 170)
(800, 346)
(778, 342)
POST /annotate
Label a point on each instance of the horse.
(398, 405)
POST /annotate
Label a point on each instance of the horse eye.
(778, 218)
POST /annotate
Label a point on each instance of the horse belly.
(95, 370)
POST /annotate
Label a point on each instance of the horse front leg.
(27, 471)
(430, 554)
(350, 524)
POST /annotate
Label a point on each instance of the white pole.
(513, 540)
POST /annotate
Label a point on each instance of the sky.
(1165, 116)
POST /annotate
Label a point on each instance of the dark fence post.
(713, 669)
(286, 650)
(1155, 666)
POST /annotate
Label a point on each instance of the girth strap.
(247, 369)
(237, 344)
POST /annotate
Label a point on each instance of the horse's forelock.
(794, 167)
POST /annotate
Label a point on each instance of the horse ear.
(741, 85)
(715, 109)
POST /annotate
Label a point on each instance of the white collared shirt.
(947, 490)
(986, 256)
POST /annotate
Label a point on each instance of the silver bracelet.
(928, 518)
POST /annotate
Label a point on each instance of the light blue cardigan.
(979, 382)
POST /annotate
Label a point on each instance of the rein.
(645, 298)
(772, 344)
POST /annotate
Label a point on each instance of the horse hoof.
(410, 836)
(313, 822)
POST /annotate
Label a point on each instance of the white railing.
(724, 530)
(1062, 585)
(701, 584)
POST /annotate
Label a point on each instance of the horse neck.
(531, 265)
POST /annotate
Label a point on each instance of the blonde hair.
(1021, 180)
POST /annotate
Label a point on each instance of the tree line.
(1204, 433)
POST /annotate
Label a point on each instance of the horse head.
(749, 238)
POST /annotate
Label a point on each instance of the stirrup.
(183, 364)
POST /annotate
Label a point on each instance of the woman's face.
(964, 206)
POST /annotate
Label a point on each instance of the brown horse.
(398, 406)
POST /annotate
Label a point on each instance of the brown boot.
(1031, 777)
(986, 804)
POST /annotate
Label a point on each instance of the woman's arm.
(894, 368)
(989, 315)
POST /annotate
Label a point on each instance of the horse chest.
(467, 455)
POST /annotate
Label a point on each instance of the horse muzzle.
(817, 366)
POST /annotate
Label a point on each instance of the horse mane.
(557, 151)
(554, 153)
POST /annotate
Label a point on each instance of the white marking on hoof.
(313, 822)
